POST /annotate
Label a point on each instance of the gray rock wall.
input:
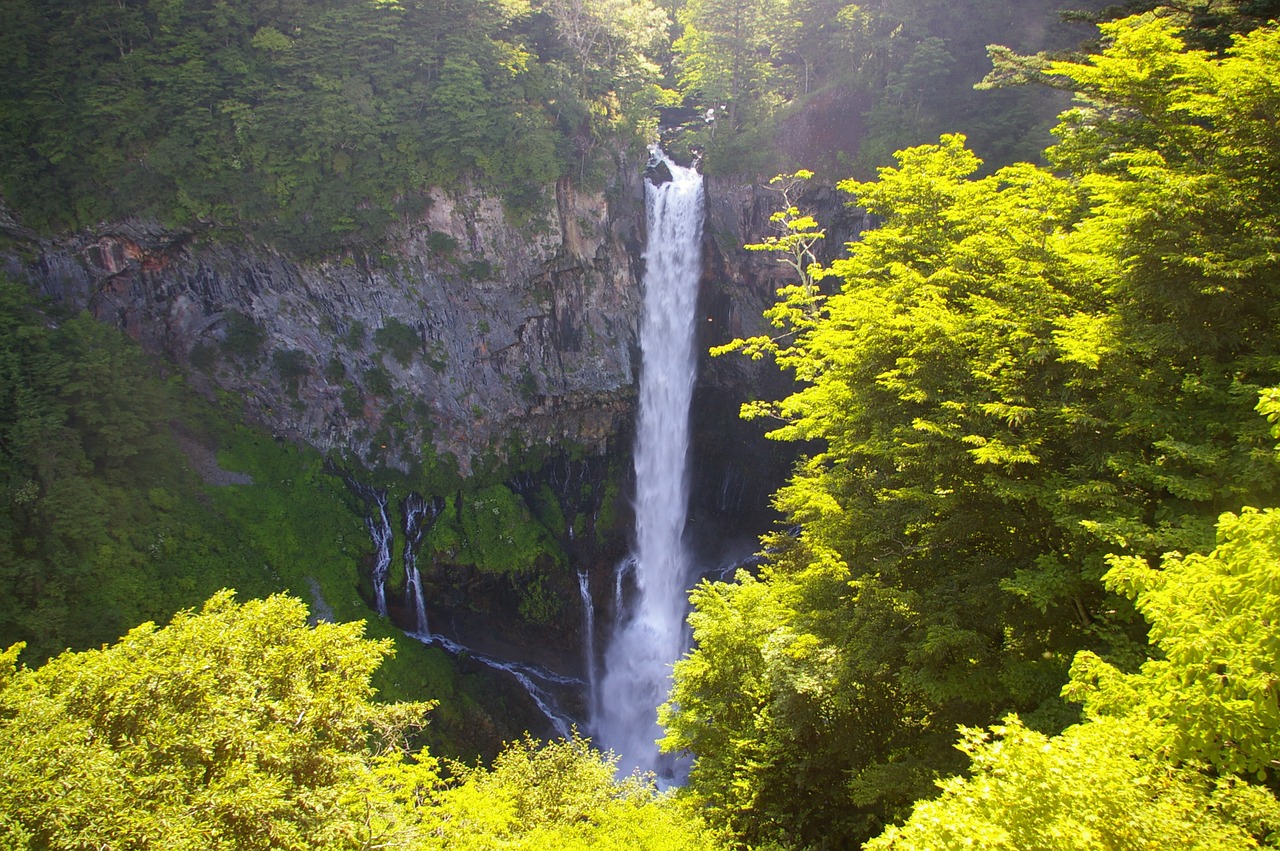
(526, 333)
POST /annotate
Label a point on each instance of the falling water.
(549, 691)
(538, 682)
(380, 531)
(650, 636)
(626, 567)
(588, 638)
(419, 517)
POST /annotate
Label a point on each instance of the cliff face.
(468, 333)
(736, 469)
(473, 336)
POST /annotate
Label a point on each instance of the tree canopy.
(1169, 755)
(237, 727)
(315, 125)
(242, 726)
(1021, 376)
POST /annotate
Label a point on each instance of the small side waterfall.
(380, 531)
(419, 517)
(539, 683)
(588, 639)
(649, 636)
(549, 691)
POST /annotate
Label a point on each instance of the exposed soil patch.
(204, 460)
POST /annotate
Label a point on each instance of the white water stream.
(588, 638)
(649, 634)
(538, 682)
(380, 530)
(419, 516)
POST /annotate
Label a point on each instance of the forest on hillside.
(1025, 591)
(319, 126)
(1031, 389)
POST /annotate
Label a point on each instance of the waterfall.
(626, 567)
(588, 638)
(649, 635)
(419, 517)
(549, 691)
(537, 682)
(380, 531)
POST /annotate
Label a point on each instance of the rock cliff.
(469, 336)
(468, 333)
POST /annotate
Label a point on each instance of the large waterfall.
(649, 635)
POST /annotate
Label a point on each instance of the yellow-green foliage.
(561, 795)
(1171, 755)
(237, 727)
(1022, 374)
(1084, 789)
(240, 726)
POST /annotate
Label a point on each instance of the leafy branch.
(799, 303)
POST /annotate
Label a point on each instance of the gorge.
(369, 473)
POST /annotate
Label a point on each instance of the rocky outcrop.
(736, 469)
(468, 333)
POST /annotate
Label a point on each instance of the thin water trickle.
(648, 635)
(537, 682)
(588, 639)
(419, 516)
(380, 531)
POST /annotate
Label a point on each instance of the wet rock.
(658, 172)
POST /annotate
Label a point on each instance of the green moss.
(203, 357)
(494, 531)
(352, 400)
(355, 336)
(242, 338)
(377, 381)
(291, 365)
(442, 243)
(538, 604)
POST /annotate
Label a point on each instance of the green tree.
(238, 726)
(724, 56)
(559, 795)
(1170, 755)
(1021, 375)
(242, 726)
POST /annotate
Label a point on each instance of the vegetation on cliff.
(312, 124)
(1023, 600)
(317, 126)
(129, 498)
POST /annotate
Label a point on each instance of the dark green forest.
(319, 126)
(1025, 588)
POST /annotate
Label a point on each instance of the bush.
(400, 340)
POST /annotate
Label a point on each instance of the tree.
(795, 236)
(560, 795)
(724, 55)
(924, 382)
(1022, 375)
(1171, 754)
(241, 726)
(237, 726)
